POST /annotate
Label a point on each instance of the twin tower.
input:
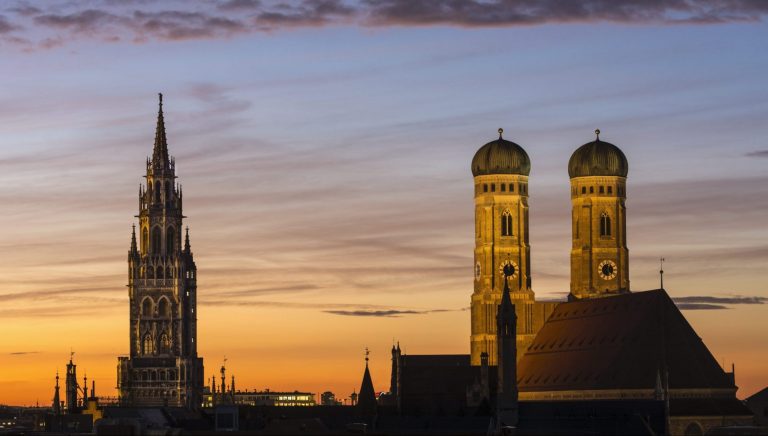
(599, 254)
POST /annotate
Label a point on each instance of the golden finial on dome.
(500, 132)
(597, 133)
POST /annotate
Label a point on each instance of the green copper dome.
(598, 158)
(501, 157)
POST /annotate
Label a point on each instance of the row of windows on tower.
(170, 240)
(503, 187)
(602, 190)
(161, 273)
(163, 308)
(163, 345)
(158, 189)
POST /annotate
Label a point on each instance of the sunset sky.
(324, 150)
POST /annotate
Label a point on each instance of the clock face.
(478, 271)
(607, 270)
(511, 268)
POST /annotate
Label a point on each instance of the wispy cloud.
(700, 306)
(705, 302)
(172, 21)
(22, 353)
(390, 313)
(757, 153)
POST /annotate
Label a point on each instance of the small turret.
(187, 246)
(56, 398)
(134, 248)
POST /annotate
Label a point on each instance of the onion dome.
(501, 157)
(598, 158)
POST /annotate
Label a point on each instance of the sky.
(324, 150)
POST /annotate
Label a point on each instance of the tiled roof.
(618, 342)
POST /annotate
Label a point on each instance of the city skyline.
(332, 203)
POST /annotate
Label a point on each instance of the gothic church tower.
(163, 367)
(500, 169)
(599, 254)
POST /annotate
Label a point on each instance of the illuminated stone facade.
(163, 367)
(500, 170)
(599, 254)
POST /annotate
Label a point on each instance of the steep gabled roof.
(618, 342)
(366, 400)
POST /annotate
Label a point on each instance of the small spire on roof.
(500, 132)
(661, 273)
(597, 133)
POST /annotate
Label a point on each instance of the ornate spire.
(500, 132)
(661, 273)
(133, 239)
(160, 151)
(56, 398)
(597, 134)
(187, 247)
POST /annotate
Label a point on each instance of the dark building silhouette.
(366, 399)
(758, 404)
(163, 367)
(506, 333)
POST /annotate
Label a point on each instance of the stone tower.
(599, 255)
(500, 169)
(163, 367)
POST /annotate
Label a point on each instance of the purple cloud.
(141, 22)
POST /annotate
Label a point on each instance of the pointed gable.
(618, 343)
(366, 400)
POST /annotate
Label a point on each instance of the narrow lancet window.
(506, 223)
(605, 225)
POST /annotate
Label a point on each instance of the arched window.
(169, 273)
(150, 273)
(162, 307)
(165, 343)
(605, 225)
(146, 307)
(583, 189)
(506, 223)
(159, 273)
(170, 240)
(145, 240)
(147, 346)
(169, 191)
(157, 191)
(156, 238)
